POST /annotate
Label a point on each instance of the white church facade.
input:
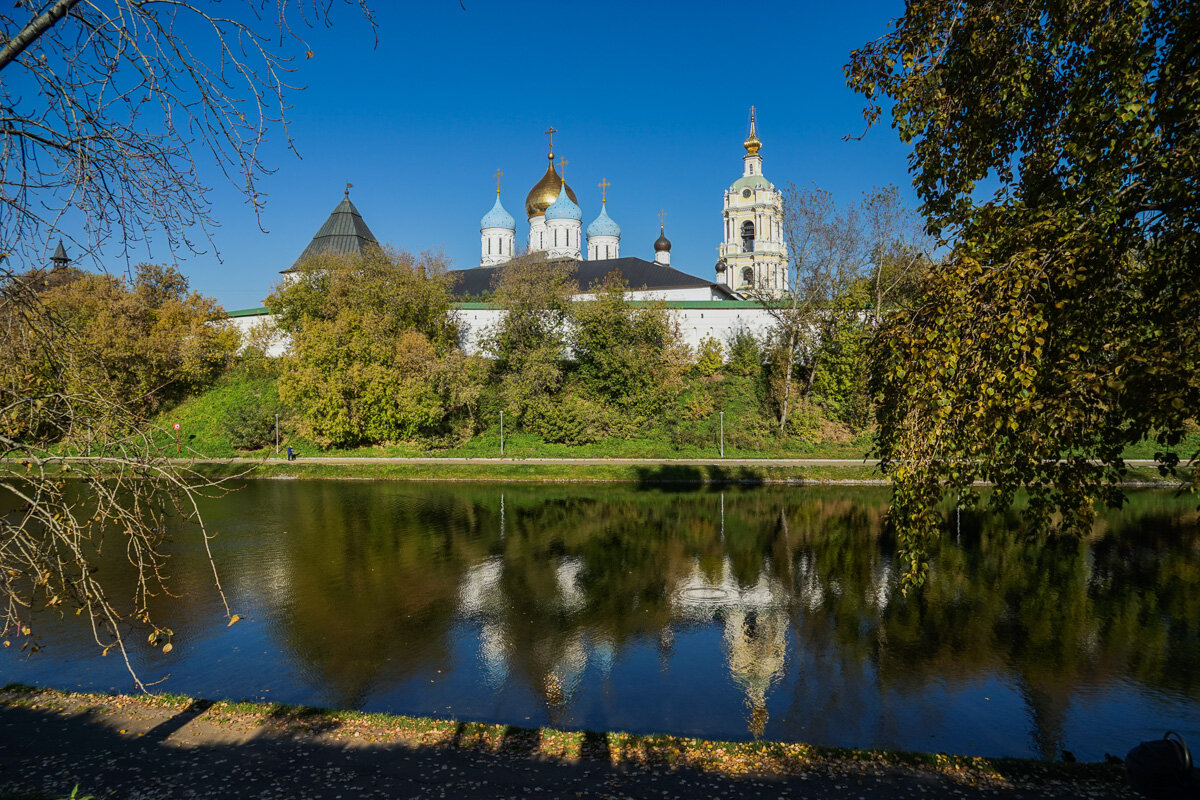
(753, 260)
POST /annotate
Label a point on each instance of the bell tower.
(753, 255)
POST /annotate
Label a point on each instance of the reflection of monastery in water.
(755, 623)
(754, 620)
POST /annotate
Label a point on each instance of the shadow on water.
(693, 477)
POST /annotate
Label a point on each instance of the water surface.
(766, 612)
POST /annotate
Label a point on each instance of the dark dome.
(662, 243)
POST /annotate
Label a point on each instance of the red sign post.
(177, 437)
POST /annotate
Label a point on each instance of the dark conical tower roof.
(59, 259)
(343, 232)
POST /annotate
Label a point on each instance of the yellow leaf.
(232, 620)
(168, 647)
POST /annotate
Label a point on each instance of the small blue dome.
(498, 218)
(603, 225)
(563, 208)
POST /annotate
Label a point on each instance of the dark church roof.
(343, 232)
(638, 273)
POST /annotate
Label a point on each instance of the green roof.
(249, 312)
(751, 182)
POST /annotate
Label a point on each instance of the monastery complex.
(752, 263)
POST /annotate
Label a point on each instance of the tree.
(825, 251)
(374, 353)
(529, 344)
(109, 110)
(1062, 327)
(630, 356)
(899, 250)
(150, 340)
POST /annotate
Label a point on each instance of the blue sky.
(651, 96)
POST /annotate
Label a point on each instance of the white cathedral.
(753, 258)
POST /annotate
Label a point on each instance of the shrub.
(250, 426)
(745, 355)
(568, 419)
(710, 358)
(698, 407)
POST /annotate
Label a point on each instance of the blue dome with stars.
(563, 208)
(603, 225)
(498, 218)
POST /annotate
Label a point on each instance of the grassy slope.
(203, 430)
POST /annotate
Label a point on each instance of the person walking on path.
(291, 454)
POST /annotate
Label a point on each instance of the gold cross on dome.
(550, 132)
(661, 216)
(603, 184)
(562, 167)
(499, 175)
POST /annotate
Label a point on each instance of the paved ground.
(123, 749)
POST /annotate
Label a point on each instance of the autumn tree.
(113, 113)
(374, 354)
(825, 254)
(1056, 147)
(150, 339)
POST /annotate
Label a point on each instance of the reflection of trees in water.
(379, 573)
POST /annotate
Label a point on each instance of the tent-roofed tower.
(344, 232)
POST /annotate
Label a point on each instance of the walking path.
(590, 462)
(134, 747)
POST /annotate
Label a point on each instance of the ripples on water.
(766, 612)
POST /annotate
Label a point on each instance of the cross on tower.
(661, 216)
(550, 132)
(603, 184)
(562, 166)
(499, 175)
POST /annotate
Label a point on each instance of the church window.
(489, 245)
(747, 237)
(748, 277)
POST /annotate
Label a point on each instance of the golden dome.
(752, 144)
(545, 192)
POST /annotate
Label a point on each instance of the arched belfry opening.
(747, 237)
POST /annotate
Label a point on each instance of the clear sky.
(652, 96)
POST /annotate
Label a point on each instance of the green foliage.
(842, 365)
(745, 355)
(1064, 324)
(569, 419)
(627, 356)
(374, 354)
(529, 343)
(710, 357)
(698, 406)
(250, 426)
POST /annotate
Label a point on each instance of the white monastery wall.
(695, 324)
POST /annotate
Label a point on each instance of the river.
(764, 612)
